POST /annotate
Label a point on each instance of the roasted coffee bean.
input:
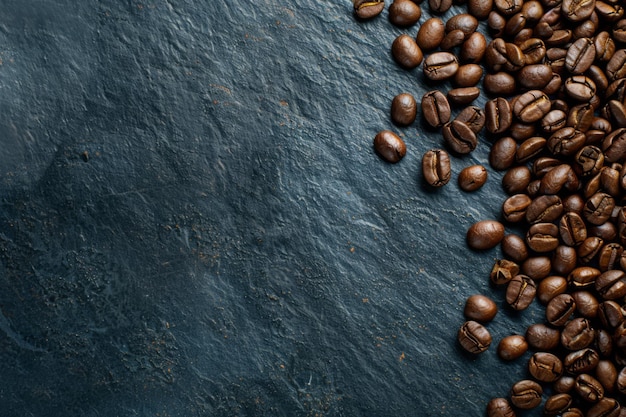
(512, 347)
(559, 178)
(503, 271)
(516, 179)
(516, 25)
(580, 56)
(522, 131)
(611, 314)
(598, 208)
(545, 208)
(499, 84)
(559, 309)
(598, 76)
(543, 237)
(514, 208)
(581, 361)
(534, 50)
(474, 48)
(611, 285)
(583, 277)
(550, 287)
(621, 381)
(619, 29)
(589, 160)
(572, 229)
(535, 77)
(496, 24)
(473, 177)
(609, 256)
(431, 34)
(498, 115)
(366, 9)
(520, 292)
(580, 88)
(605, 46)
(616, 67)
(616, 113)
(508, 7)
(439, 6)
(459, 138)
(564, 384)
(553, 121)
(485, 234)
(463, 96)
(545, 367)
(530, 148)
(577, 334)
(440, 66)
(557, 404)
(502, 154)
(480, 308)
(436, 167)
(589, 249)
(389, 146)
(499, 407)
(533, 10)
(464, 22)
(531, 106)
(403, 109)
(564, 260)
(468, 75)
(472, 116)
(435, 108)
(589, 388)
(542, 338)
(606, 374)
(474, 337)
(404, 13)
(574, 203)
(603, 343)
(542, 165)
(580, 117)
(566, 142)
(405, 52)
(514, 248)
(452, 40)
(536, 267)
(526, 394)
(606, 407)
(614, 146)
(586, 304)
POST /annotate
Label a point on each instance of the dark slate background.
(193, 221)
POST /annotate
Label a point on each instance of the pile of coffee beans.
(554, 76)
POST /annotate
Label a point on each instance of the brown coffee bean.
(472, 116)
(609, 256)
(512, 347)
(559, 309)
(544, 209)
(440, 66)
(586, 304)
(580, 56)
(577, 334)
(389, 146)
(431, 34)
(502, 154)
(566, 141)
(557, 404)
(614, 146)
(530, 148)
(580, 88)
(545, 367)
(616, 67)
(473, 177)
(452, 40)
(572, 229)
(508, 7)
(550, 287)
(514, 248)
(503, 271)
(436, 167)
(583, 277)
(581, 361)
(499, 84)
(598, 208)
(542, 338)
(366, 9)
(611, 285)
(564, 260)
(580, 117)
(589, 388)
(589, 249)
(474, 48)
(606, 407)
(435, 108)
(526, 394)
(553, 121)
(516, 179)
(403, 109)
(485, 234)
(498, 115)
(534, 50)
(406, 53)
(515, 207)
(564, 384)
(474, 337)
(499, 407)
(439, 6)
(520, 292)
(536, 267)
(463, 96)
(605, 46)
(468, 75)
(611, 314)
(480, 308)
(606, 374)
(559, 178)
(588, 161)
(404, 13)
(535, 77)
(531, 106)
(543, 237)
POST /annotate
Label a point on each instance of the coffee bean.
(474, 48)
(545, 367)
(580, 88)
(496, 23)
(580, 117)
(459, 138)
(472, 116)
(498, 115)
(404, 13)
(550, 287)
(586, 304)
(389, 146)
(598, 208)
(514, 248)
(580, 56)
(499, 84)
(606, 374)
(544, 209)
(616, 67)
(557, 404)
(435, 108)
(436, 167)
(614, 146)
(588, 161)
(605, 46)
(530, 148)
(581, 361)
(559, 178)
(515, 207)
(589, 388)
(564, 260)
(508, 7)
(553, 121)
(564, 384)
(611, 285)
(512, 347)
(366, 9)
(572, 229)
(543, 237)
(526, 394)
(468, 75)
(577, 334)
(536, 267)
(559, 309)
(440, 66)
(542, 338)
(439, 6)
(606, 407)
(473, 177)
(535, 77)
(480, 308)
(516, 179)
(403, 109)
(431, 34)
(566, 141)
(588, 250)
(485, 234)
(452, 40)
(534, 50)
(609, 256)
(583, 277)
(405, 52)
(463, 96)
(520, 292)
(499, 407)
(502, 154)
(474, 337)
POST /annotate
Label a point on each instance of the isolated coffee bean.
(405, 52)
(526, 394)
(431, 34)
(472, 178)
(485, 234)
(389, 146)
(440, 66)
(512, 347)
(404, 13)
(435, 108)
(480, 308)
(436, 167)
(545, 367)
(474, 337)
(403, 109)
(366, 9)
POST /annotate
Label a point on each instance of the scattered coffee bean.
(403, 109)
(436, 167)
(472, 178)
(485, 234)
